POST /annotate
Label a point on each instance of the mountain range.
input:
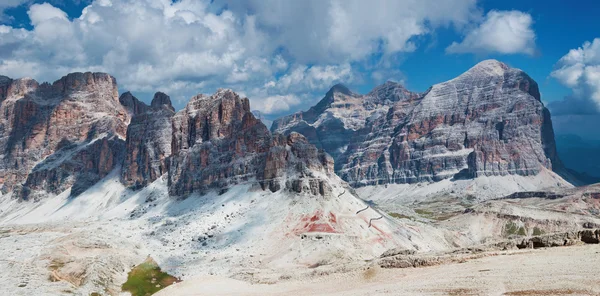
(209, 189)
(489, 121)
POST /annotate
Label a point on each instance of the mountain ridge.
(488, 121)
(459, 128)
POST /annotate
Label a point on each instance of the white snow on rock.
(241, 232)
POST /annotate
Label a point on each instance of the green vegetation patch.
(147, 279)
(537, 231)
(512, 228)
(399, 216)
(439, 216)
(424, 213)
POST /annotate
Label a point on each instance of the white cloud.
(505, 32)
(301, 85)
(39, 13)
(276, 103)
(283, 54)
(579, 69)
(335, 31)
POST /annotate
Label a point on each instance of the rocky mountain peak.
(88, 82)
(388, 93)
(488, 121)
(148, 143)
(499, 72)
(4, 80)
(5, 83)
(132, 104)
(161, 99)
(65, 135)
(20, 87)
(339, 88)
(218, 141)
(489, 67)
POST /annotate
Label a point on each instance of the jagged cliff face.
(488, 121)
(71, 134)
(148, 144)
(68, 135)
(218, 142)
(132, 104)
(341, 117)
(56, 136)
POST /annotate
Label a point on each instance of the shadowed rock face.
(132, 104)
(55, 136)
(148, 143)
(488, 121)
(217, 141)
(161, 100)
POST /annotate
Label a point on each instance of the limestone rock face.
(161, 100)
(488, 121)
(74, 166)
(148, 143)
(77, 116)
(71, 134)
(342, 117)
(132, 104)
(217, 142)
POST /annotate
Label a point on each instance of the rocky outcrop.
(132, 104)
(532, 194)
(218, 142)
(488, 121)
(148, 143)
(161, 100)
(342, 117)
(43, 125)
(69, 135)
(75, 166)
(560, 239)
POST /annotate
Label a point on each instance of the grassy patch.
(399, 216)
(424, 213)
(512, 228)
(440, 216)
(147, 279)
(537, 231)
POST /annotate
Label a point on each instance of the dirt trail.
(554, 271)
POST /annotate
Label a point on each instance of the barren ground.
(553, 271)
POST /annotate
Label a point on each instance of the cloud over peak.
(504, 32)
(271, 50)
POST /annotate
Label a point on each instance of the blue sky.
(284, 55)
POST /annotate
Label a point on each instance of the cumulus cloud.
(39, 13)
(505, 32)
(277, 103)
(282, 54)
(315, 31)
(579, 70)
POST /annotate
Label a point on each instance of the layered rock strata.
(489, 121)
(55, 136)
